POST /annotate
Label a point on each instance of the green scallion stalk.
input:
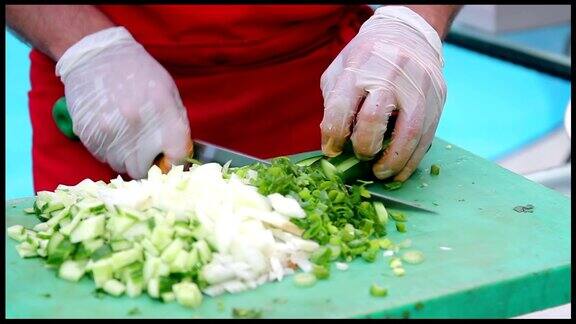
(394, 185)
(321, 272)
(397, 216)
(378, 291)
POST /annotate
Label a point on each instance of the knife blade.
(206, 152)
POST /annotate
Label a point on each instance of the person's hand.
(124, 105)
(394, 63)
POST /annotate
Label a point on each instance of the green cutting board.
(499, 262)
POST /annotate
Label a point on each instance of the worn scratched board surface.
(501, 263)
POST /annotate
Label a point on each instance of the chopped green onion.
(370, 255)
(378, 291)
(381, 212)
(29, 210)
(394, 185)
(401, 227)
(397, 216)
(321, 255)
(321, 272)
(435, 169)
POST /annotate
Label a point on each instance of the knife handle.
(63, 121)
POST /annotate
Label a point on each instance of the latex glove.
(124, 105)
(394, 63)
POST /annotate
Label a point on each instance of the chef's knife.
(205, 152)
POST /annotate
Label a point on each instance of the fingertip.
(332, 147)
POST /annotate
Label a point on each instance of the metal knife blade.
(206, 152)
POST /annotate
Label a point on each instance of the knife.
(206, 152)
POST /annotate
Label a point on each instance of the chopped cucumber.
(88, 229)
(102, 272)
(72, 270)
(114, 287)
(121, 245)
(187, 294)
(16, 232)
(26, 250)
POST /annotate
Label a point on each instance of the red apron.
(249, 76)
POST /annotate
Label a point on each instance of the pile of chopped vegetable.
(211, 229)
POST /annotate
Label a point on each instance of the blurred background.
(508, 73)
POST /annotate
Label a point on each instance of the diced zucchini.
(180, 262)
(121, 245)
(134, 287)
(172, 250)
(183, 231)
(17, 233)
(101, 272)
(88, 229)
(46, 235)
(92, 245)
(40, 227)
(114, 287)
(161, 237)
(26, 250)
(72, 270)
(117, 225)
(203, 251)
(59, 249)
(91, 205)
(133, 213)
(68, 228)
(137, 232)
(168, 297)
(153, 287)
(187, 294)
(151, 267)
(52, 206)
(58, 217)
(149, 247)
(124, 258)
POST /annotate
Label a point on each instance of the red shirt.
(249, 76)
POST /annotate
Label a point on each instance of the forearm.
(440, 17)
(52, 29)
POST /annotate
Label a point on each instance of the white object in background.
(504, 18)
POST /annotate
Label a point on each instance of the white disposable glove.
(124, 105)
(394, 63)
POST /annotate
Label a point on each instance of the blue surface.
(493, 108)
(18, 128)
(553, 39)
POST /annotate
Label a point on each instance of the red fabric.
(249, 76)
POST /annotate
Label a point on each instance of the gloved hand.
(394, 63)
(124, 105)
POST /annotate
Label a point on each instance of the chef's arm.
(52, 29)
